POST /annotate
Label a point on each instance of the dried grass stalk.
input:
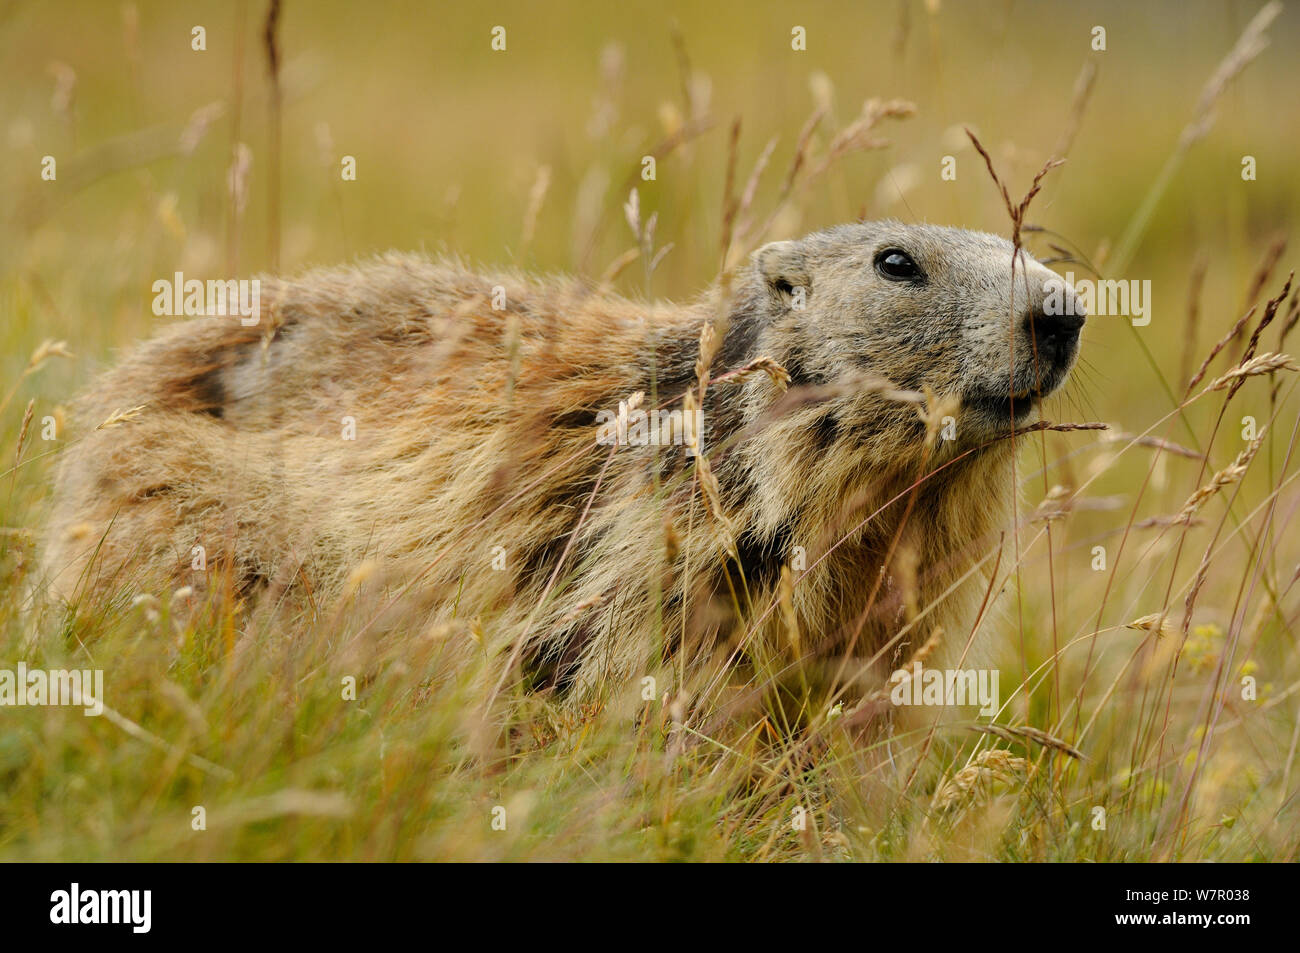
(1157, 624)
(977, 778)
(1037, 735)
(1230, 474)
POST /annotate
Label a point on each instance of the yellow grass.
(1127, 677)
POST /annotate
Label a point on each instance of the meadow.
(1146, 605)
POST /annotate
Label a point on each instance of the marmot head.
(918, 305)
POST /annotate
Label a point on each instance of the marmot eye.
(897, 265)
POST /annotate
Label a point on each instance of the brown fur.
(475, 428)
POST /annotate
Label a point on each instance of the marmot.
(475, 438)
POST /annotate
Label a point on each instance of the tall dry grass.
(1122, 686)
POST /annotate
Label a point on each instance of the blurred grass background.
(449, 137)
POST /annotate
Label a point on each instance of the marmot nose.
(1053, 334)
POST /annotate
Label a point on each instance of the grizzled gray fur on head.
(917, 305)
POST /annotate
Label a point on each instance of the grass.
(1122, 685)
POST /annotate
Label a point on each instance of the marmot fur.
(444, 427)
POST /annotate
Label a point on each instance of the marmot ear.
(784, 270)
